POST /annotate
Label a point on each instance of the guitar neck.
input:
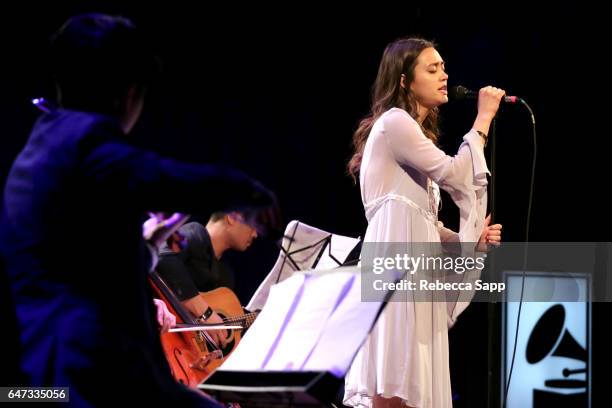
(247, 319)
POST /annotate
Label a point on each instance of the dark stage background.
(277, 92)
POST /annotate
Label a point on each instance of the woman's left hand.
(491, 235)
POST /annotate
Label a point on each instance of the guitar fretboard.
(246, 320)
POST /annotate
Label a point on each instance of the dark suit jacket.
(85, 313)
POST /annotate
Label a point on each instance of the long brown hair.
(399, 58)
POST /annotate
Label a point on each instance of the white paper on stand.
(314, 320)
(307, 247)
(300, 336)
(342, 336)
(259, 339)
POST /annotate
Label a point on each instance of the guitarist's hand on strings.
(218, 336)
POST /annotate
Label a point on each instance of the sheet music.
(314, 320)
(257, 342)
(299, 338)
(344, 333)
(341, 247)
(299, 238)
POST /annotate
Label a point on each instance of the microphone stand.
(493, 312)
(493, 155)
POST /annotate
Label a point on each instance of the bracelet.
(484, 136)
(206, 315)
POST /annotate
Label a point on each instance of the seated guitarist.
(192, 264)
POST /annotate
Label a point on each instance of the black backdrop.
(278, 92)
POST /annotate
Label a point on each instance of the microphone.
(461, 92)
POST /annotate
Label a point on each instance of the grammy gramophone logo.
(550, 338)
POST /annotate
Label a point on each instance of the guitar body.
(190, 356)
(226, 304)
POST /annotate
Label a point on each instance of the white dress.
(406, 355)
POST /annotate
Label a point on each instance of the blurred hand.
(266, 220)
(159, 227)
(165, 319)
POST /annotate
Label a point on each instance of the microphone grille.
(459, 92)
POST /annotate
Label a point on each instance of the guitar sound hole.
(229, 346)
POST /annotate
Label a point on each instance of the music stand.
(304, 247)
(292, 355)
(297, 351)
